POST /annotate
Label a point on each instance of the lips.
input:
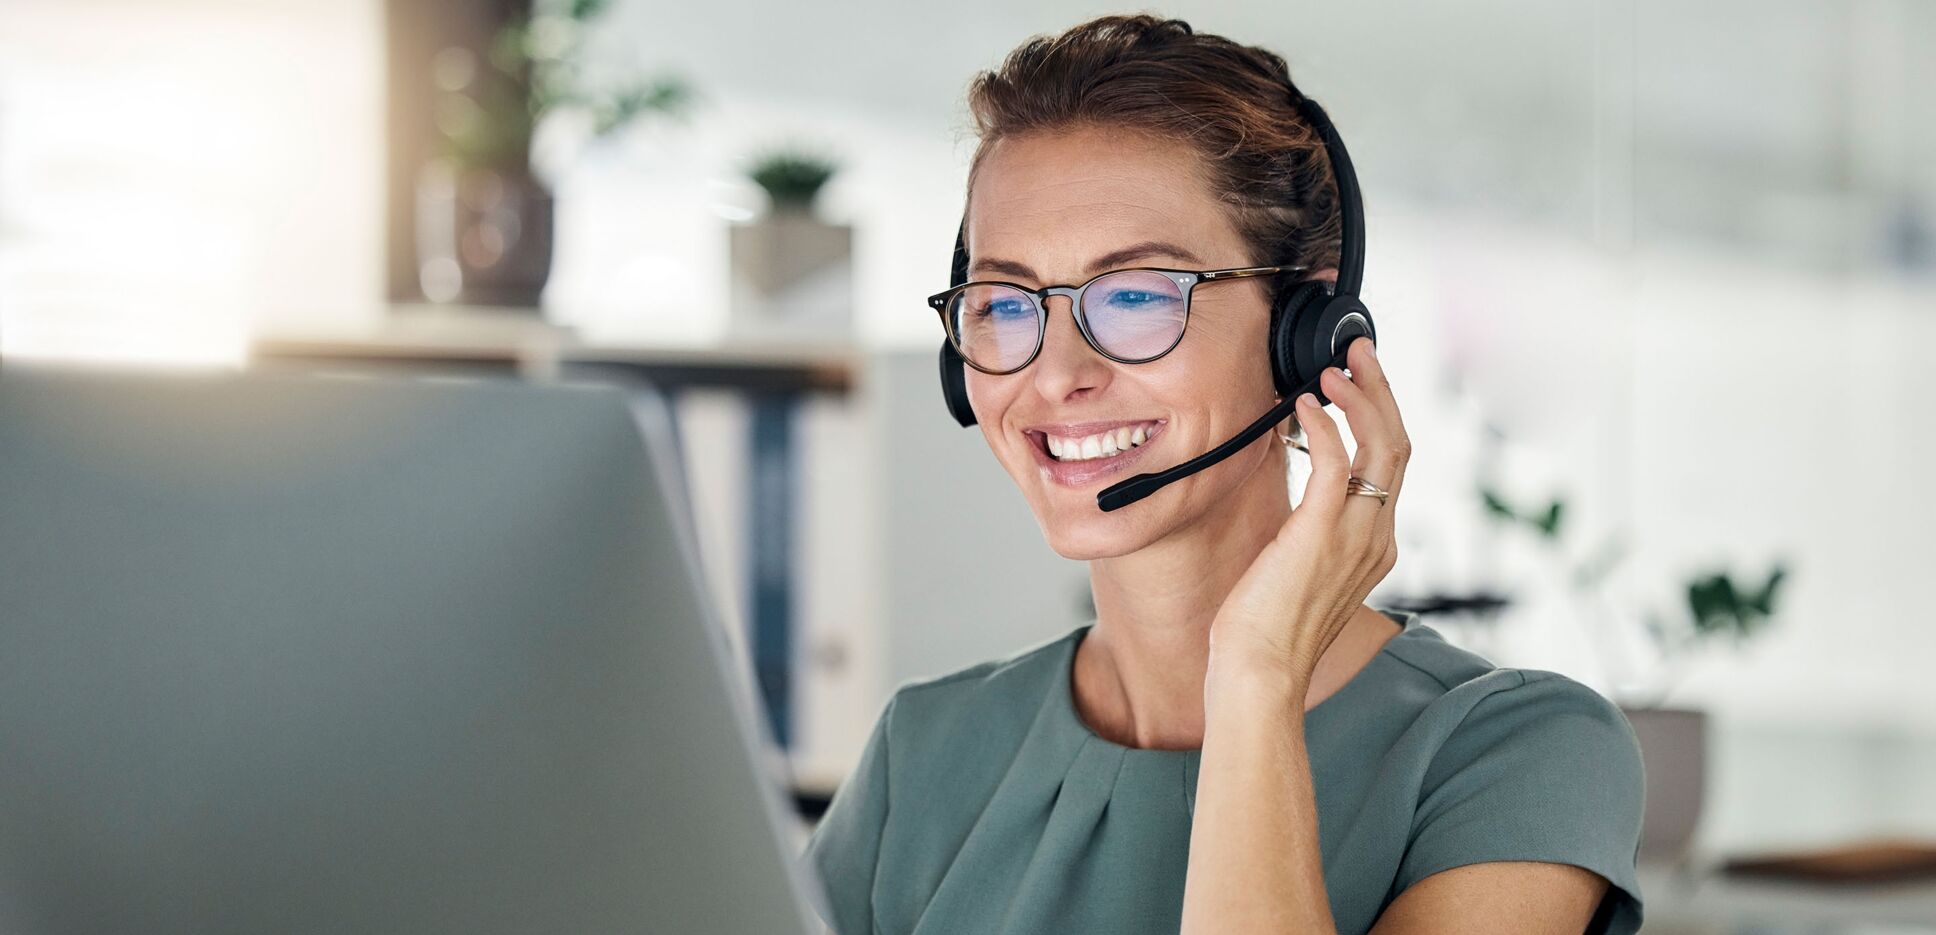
(1078, 473)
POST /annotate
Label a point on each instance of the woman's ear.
(1328, 274)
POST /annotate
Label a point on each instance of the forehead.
(1055, 200)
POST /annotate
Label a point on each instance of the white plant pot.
(1673, 749)
(792, 279)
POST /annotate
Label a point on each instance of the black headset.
(1311, 325)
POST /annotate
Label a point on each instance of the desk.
(1699, 900)
(418, 338)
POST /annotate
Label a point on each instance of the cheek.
(1229, 365)
(992, 397)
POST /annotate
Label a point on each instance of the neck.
(1141, 683)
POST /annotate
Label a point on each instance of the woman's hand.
(1316, 572)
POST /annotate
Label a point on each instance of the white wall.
(173, 176)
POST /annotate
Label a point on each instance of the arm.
(1510, 897)
(1254, 860)
(1255, 863)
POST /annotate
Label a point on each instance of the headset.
(1312, 324)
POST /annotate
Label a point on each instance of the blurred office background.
(1656, 284)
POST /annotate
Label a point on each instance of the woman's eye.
(1131, 298)
(1004, 308)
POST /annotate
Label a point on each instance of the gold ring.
(1358, 485)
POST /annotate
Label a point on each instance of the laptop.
(306, 655)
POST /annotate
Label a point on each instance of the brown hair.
(1235, 104)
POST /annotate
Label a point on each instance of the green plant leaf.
(1763, 599)
(1718, 605)
(791, 178)
(1496, 505)
(1549, 524)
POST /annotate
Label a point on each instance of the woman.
(1237, 743)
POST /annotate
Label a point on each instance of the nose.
(1067, 369)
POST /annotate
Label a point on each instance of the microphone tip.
(1121, 495)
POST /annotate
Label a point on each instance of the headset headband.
(1351, 209)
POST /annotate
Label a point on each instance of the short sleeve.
(1548, 770)
(844, 848)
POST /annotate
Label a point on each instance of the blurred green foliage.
(1718, 605)
(535, 65)
(791, 177)
(1715, 602)
(1545, 521)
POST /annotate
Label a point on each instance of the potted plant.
(792, 273)
(484, 219)
(1673, 740)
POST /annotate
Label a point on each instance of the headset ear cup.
(1293, 317)
(954, 385)
(1324, 330)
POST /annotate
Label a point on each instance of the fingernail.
(1308, 399)
(1373, 349)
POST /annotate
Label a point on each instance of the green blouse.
(983, 804)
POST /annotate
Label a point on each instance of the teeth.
(1099, 445)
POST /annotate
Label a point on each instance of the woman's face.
(1058, 208)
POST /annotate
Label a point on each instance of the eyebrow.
(1135, 251)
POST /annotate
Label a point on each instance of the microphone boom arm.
(1120, 495)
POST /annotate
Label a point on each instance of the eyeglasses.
(1131, 316)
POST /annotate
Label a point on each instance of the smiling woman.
(1237, 742)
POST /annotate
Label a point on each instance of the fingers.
(1383, 450)
(1324, 493)
(1375, 457)
(1369, 406)
(1366, 371)
(1377, 386)
(1367, 545)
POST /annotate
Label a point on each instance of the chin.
(1061, 494)
(1102, 536)
(1077, 529)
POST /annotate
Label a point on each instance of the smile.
(1106, 444)
(1077, 454)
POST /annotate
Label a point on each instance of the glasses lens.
(1134, 314)
(995, 326)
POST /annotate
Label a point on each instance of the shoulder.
(1431, 667)
(1463, 717)
(1521, 764)
(1545, 724)
(1462, 694)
